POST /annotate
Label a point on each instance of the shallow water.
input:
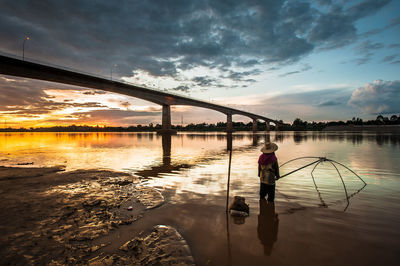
(308, 224)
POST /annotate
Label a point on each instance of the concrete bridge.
(22, 68)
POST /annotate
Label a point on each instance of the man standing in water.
(268, 171)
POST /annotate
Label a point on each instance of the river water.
(310, 223)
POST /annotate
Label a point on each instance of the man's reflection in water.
(268, 223)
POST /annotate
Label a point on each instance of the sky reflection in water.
(198, 162)
(191, 170)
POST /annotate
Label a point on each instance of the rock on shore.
(163, 246)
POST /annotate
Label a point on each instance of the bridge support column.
(166, 121)
(267, 128)
(276, 127)
(254, 125)
(229, 126)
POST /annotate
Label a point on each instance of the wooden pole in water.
(229, 180)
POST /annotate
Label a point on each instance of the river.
(310, 223)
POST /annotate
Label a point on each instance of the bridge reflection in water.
(166, 165)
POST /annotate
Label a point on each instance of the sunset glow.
(317, 60)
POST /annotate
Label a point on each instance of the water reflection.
(166, 146)
(356, 138)
(268, 223)
(165, 166)
(168, 167)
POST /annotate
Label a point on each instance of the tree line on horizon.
(297, 125)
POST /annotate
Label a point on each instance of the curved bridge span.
(27, 69)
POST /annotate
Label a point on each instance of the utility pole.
(23, 47)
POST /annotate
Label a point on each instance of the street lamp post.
(23, 48)
(112, 66)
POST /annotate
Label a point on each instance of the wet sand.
(49, 216)
(53, 217)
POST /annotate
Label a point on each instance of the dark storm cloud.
(366, 8)
(162, 37)
(379, 97)
(337, 28)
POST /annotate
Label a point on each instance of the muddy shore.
(49, 216)
(53, 217)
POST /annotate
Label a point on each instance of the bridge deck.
(16, 67)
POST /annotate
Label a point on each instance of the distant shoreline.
(145, 129)
(374, 128)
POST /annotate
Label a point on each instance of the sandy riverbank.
(49, 216)
(53, 217)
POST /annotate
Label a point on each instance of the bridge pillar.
(254, 125)
(166, 117)
(166, 121)
(267, 128)
(229, 126)
(276, 127)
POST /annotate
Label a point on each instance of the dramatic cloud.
(379, 97)
(192, 46)
(27, 103)
(18, 92)
(167, 38)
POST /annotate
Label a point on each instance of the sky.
(318, 60)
